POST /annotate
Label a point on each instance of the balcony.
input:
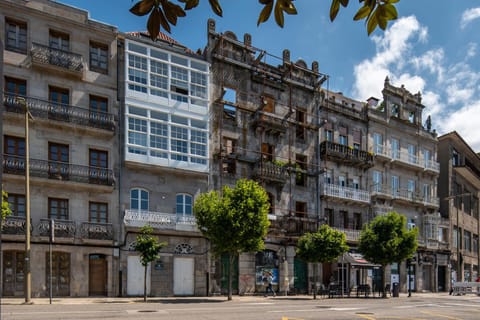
(96, 231)
(351, 234)
(275, 173)
(58, 170)
(290, 226)
(43, 109)
(345, 193)
(381, 191)
(43, 55)
(430, 165)
(381, 152)
(406, 159)
(62, 228)
(345, 154)
(270, 122)
(159, 220)
(13, 225)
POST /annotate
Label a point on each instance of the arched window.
(184, 204)
(139, 199)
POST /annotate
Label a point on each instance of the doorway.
(97, 275)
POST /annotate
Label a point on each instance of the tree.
(164, 13)
(323, 246)
(149, 248)
(386, 239)
(235, 221)
(5, 207)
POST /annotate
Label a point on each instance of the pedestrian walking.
(268, 282)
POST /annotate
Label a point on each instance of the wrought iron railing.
(96, 231)
(44, 109)
(293, 226)
(42, 54)
(332, 190)
(58, 170)
(346, 153)
(62, 228)
(159, 220)
(14, 225)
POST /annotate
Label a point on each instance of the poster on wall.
(263, 271)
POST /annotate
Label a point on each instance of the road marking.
(436, 314)
(364, 316)
(287, 318)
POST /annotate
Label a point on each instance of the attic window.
(395, 110)
(411, 117)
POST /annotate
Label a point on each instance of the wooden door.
(97, 275)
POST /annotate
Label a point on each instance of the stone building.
(264, 126)
(459, 190)
(164, 93)
(404, 179)
(60, 67)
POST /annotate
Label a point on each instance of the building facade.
(60, 73)
(459, 190)
(164, 93)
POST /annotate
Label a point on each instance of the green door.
(225, 265)
(300, 270)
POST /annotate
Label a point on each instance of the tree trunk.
(145, 284)
(384, 275)
(315, 266)
(231, 259)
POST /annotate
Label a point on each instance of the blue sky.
(434, 48)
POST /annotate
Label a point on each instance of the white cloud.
(465, 122)
(431, 60)
(471, 50)
(468, 16)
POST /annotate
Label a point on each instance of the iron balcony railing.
(44, 109)
(159, 220)
(379, 190)
(293, 226)
(96, 231)
(14, 225)
(62, 228)
(45, 55)
(58, 170)
(405, 157)
(347, 193)
(345, 153)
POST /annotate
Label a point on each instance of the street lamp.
(459, 275)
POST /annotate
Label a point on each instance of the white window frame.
(140, 200)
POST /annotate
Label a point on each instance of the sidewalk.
(107, 300)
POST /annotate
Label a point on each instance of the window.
(427, 158)
(395, 148)
(328, 177)
(15, 36)
(14, 146)
(329, 216)
(395, 185)
(59, 40)
(395, 110)
(16, 202)
(139, 199)
(267, 152)
(98, 57)
(357, 221)
(268, 104)
(58, 208)
(98, 107)
(301, 172)
(15, 87)
(300, 125)
(98, 212)
(427, 192)
(58, 156)
(411, 189)
(60, 99)
(412, 154)
(184, 204)
(229, 102)
(456, 236)
(343, 140)
(229, 145)
(179, 83)
(467, 240)
(137, 73)
(377, 143)
(271, 201)
(229, 166)
(344, 217)
(329, 135)
(455, 158)
(377, 181)
(60, 273)
(98, 164)
(300, 209)
(411, 117)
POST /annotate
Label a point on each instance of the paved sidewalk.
(106, 300)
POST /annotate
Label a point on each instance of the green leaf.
(372, 24)
(380, 14)
(334, 9)
(216, 7)
(278, 12)
(362, 13)
(153, 23)
(143, 7)
(265, 13)
(390, 12)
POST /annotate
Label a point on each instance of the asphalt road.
(417, 307)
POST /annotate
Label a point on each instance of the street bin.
(395, 290)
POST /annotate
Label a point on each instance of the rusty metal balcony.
(44, 109)
(58, 170)
(96, 231)
(43, 55)
(62, 228)
(346, 154)
(159, 220)
(275, 173)
(291, 226)
(270, 122)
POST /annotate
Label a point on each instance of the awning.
(357, 260)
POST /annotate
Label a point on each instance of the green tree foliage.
(5, 207)
(164, 13)
(386, 240)
(325, 245)
(149, 248)
(235, 221)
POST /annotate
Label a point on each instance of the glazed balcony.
(275, 173)
(344, 193)
(291, 226)
(70, 62)
(159, 220)
(58, 170)
(346, 154)
(270, 122)
(62, 228)
(44, 109)
(96, 231)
